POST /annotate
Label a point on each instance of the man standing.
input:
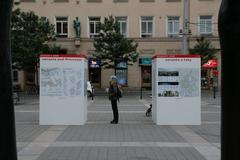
(113, 98)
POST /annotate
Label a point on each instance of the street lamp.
(184, 36)
(185, 31)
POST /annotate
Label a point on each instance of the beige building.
(153, 24)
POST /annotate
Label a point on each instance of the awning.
(210, 64)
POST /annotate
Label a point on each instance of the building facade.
(153, 24)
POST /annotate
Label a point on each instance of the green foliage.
(112, 47)
(29, 34)
(204, 48)
(51, 49)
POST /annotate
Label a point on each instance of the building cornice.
(159, 39)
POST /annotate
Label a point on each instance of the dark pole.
(214, 92)
(8, 135)
(141, 92)
(229, 31)
(92, 93)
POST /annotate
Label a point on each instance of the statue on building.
(77, 27)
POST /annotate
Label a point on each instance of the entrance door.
(146, 76)
(95, 76)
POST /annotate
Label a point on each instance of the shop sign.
(94, 64)
(122, 65)
(145, 61)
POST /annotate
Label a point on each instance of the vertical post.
(185, 30)
(8, 135)
(229, 32)
(214, 86)
(214, 92)
(92, 93)
(141, 93)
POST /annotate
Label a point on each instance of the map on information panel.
(62, 82)
(178, 82)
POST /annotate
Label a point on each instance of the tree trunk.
(229, 31)
(8, 135)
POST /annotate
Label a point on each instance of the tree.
(29, 34)
(54, 49)
(204, 48)
(112, 47)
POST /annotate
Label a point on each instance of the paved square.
(136, 137)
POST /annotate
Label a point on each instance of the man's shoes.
(113, 122)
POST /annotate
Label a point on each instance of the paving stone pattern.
(120, 133)
(209, 132)
(136, 137)
(120, 153)
(27, 133)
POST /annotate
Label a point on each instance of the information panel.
(63, 97)
(176, 89)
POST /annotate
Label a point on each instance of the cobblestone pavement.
(136, 137)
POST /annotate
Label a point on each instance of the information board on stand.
(63, 82)
(176, 89)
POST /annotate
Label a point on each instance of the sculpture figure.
(77, 27)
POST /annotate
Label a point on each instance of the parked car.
(90, 90)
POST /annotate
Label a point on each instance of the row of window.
(115, 1)
(205, 26)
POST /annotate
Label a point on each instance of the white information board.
(176, 90)
(63, 95)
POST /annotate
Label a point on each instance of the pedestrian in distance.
(113, 97)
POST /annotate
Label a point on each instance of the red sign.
(210, 64)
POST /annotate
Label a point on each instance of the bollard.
(214, 92)
(141, 93)
(214, 87)
(92, 93)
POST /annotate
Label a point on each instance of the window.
(146, 76)
(173, 26)
(61, 1)
(116, 1)
(205, 26)
(123, 25)
(94, 0)
(94, 26)
(146, 27)
(146, 0)
(27, 0)
(62, 26)
(121, 73)
(15, 75)
(173, 0)
(30, 77)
